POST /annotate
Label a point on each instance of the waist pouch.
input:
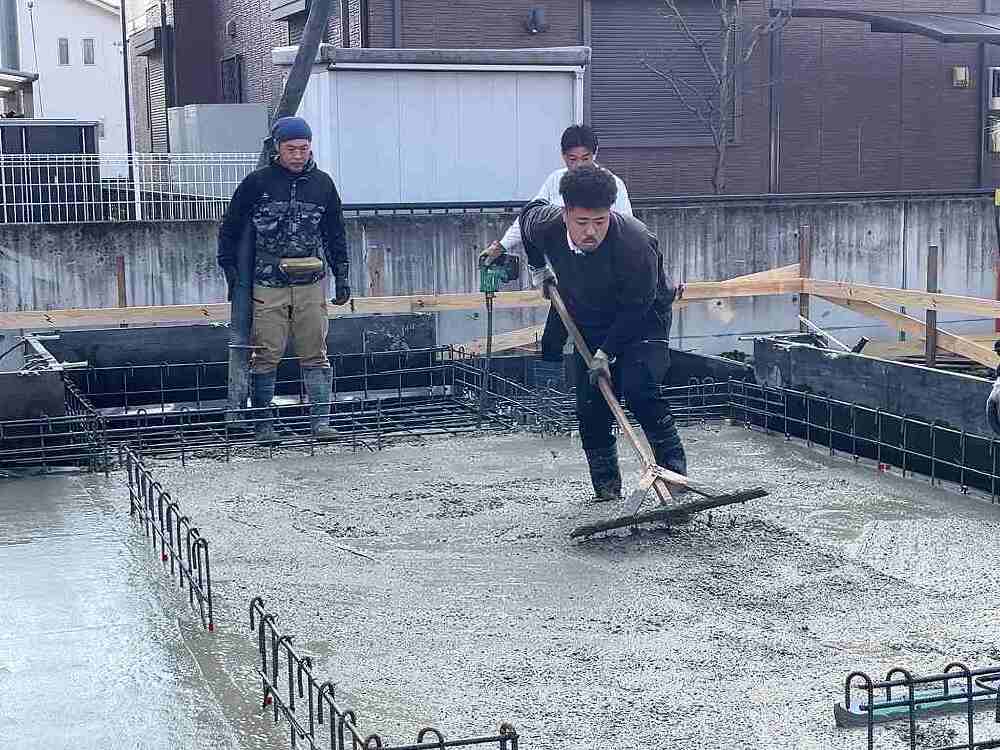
(301, 270)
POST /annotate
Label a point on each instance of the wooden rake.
(663, 482)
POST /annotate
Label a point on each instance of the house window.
(88, 52)
(63, 51)
(631, 103)
(232, 79)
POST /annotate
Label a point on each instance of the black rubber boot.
(317, 382)
(669, 452)
(605, 474)
(260, 398)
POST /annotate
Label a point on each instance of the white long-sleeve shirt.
(550, 191)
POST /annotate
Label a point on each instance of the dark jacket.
(294, 215)
(618, 294)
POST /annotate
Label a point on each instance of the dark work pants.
(636, 374)
(553, 337)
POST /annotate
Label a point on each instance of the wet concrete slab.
(435, 583)
(97, 649)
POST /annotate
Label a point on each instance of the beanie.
(290, 129)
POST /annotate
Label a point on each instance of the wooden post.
(805, 271)
(930, 353)
(122, 289)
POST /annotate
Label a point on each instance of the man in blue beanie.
(299, 224)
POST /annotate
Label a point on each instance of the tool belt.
(300, 270)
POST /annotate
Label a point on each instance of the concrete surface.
(435, 584)
(97, 650)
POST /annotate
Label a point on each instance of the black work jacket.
(294, 215)
(617, 294)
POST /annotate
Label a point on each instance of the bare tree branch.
(700, 45)
(706, 117)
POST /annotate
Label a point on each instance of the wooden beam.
(947, 341)
(775, 274)
(531, 334)
(505, 341)
(219, 312)
(880, 295)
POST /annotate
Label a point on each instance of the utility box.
(440, 125)
(217, 128)
(45, 174)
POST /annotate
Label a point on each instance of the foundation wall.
(873, 239)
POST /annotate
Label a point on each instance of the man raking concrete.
(604, 275)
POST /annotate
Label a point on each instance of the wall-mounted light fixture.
(535, 22)
(231, 28)
(960, 77)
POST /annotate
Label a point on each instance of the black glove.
(343, 291)
(231, 276)
(992, 407)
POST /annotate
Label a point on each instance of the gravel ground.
(435, 583)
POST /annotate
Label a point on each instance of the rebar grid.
(342, 724)
(905, 697)
(171, 534)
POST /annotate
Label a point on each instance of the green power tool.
(493, 274)
(504, 269)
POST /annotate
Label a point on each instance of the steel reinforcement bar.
(327, 725)
(171, 535)
(905, 697)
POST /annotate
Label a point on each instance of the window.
(88, 52)
(630, 104)
(232, 80)
(63, 51)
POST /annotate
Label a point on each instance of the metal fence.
(329, 725)
(171, 534)
(61, 188)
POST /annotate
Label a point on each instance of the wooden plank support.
(946, 341)
(930, 348)
(531, 334)
(504, 341)
(880, 295)
(415, 303)
(805, 270)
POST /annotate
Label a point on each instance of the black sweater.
(618, 294)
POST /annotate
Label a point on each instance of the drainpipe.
(169, 81)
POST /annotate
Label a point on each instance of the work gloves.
(493, 251)
(600, 367)
(993, 406)
(543, 277)
(231, 275)
(341, 286)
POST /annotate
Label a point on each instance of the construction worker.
(579, 147)
(296, 213)
(610, 274)
(993, 406)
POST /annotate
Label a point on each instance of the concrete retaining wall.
(874, 240)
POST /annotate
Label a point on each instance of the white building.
(75, 48)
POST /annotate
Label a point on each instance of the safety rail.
(325, 716)
(61, 188)
(915, 446)
(905, 697)
(171, 534)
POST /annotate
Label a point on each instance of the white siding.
(76, 91)
(404, 136)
